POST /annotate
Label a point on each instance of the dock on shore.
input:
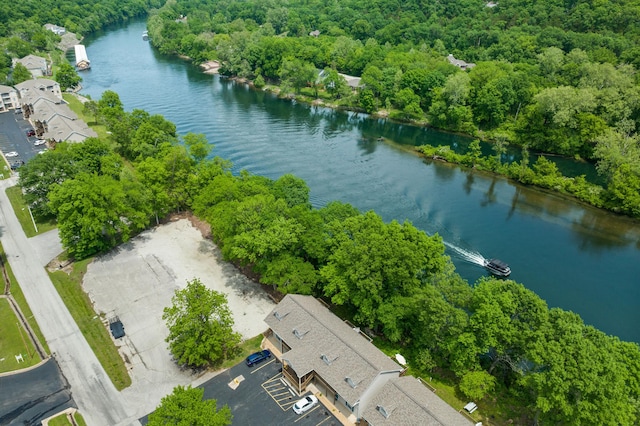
(82, 60)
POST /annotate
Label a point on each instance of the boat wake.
(470, 256)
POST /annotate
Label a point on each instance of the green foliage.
(20, 73)
(476, 384)
(185, 406)
(67, 76)
(200, 326)
(372, 263)
(259, 82)
(96, 212)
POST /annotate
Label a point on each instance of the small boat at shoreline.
(497, 267)
(145, 35)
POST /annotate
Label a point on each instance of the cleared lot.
(136, 282)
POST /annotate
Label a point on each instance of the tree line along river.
(575, 257)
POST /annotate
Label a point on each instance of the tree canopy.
(200, 326)
(185, 406)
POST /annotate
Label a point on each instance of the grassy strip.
(22, 212)
(62, 420)
(14, 341)
(5, 172)
(78, 107)
(18, 296)
(70, 289)
(79, 419)
(245, 348)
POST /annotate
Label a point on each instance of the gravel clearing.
(136, 282)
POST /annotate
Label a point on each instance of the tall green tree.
(200, 326)
(67, 76)
(372, 262)
(296, 73)
(20, 74)
(185, 406)
(97, 212)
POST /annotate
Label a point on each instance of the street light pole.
(32, 219)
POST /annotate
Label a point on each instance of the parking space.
(263, 397)
(259, 395)
(14, 139)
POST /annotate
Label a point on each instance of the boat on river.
(145, 35)
(497, 267)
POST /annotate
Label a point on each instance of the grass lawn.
(62, 420)
(18, 296)
(20, 208)
(14, 341)
(5, 171)
(70, 289)
(246, 348)
(77, 107)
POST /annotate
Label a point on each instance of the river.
(573, 256)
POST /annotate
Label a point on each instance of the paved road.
(29, 397)
(97, 399)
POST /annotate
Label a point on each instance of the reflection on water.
(575, 257)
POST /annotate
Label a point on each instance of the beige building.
(36, 65)
(407, 401)
(318, 350)
(51, 117)
(8, 98)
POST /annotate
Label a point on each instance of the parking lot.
(13, 138)
(261, 397)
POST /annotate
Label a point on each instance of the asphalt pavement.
(261, 397)
(13, 137)
(26, 398)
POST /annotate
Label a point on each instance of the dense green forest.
(555, 77)
(494, 336)
(22, 32)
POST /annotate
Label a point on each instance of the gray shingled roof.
(404, 400)
(45, 111)
(322, 342)
(62, 129)
(32, 62)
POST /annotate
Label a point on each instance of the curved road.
(97, 399)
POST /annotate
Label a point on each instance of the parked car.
(258, 357)
(305, 404)
(11, 154)
(31, 132)
(39, 142)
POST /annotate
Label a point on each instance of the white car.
(11, 154)
(305, 404)
(39, 142)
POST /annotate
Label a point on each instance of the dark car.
(258, 357)
(31, 132)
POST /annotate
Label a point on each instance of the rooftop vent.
(299, 334)
(327, 360)
(383, 411)
(352, 382)
(280, 316)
